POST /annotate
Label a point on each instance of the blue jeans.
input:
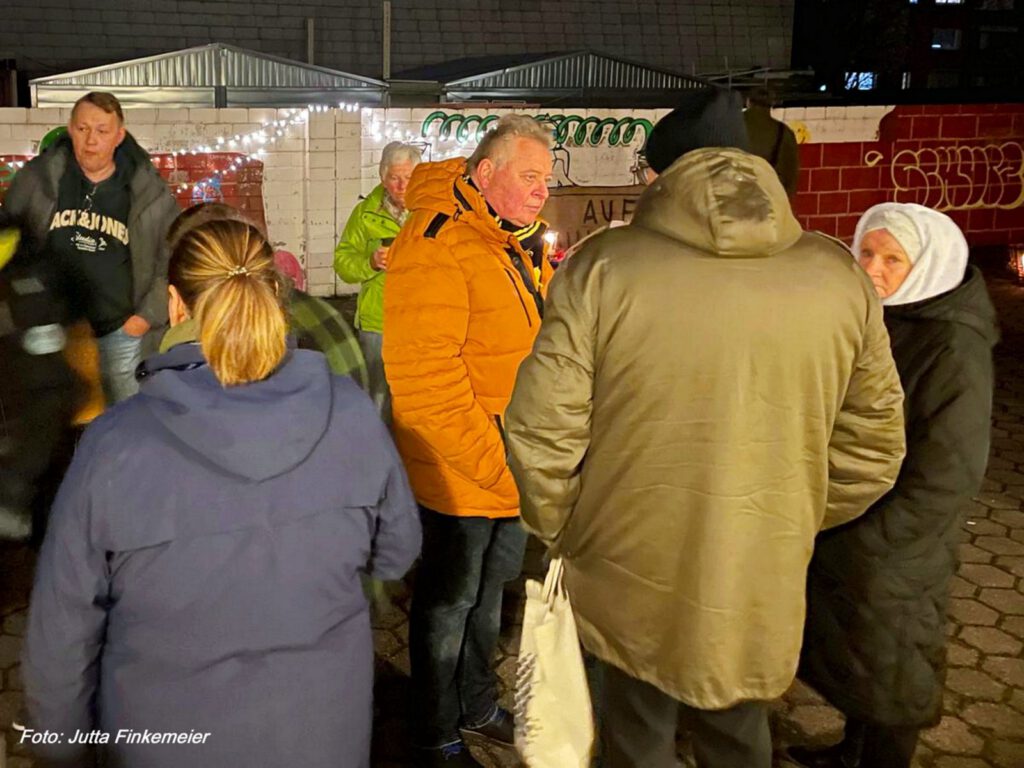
(371, 343)
(120, 355)
(455, 620)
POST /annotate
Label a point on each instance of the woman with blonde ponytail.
(201, 576)
(223, 274)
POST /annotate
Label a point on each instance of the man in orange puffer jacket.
(462, 305)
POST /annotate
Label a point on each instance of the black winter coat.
(37, 387)
(878, 587)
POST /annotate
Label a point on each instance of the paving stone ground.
(983, 724)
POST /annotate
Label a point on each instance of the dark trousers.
(455, 620)
(638, 728)
(880, 746)
(371, 345)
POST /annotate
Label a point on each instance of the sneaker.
(499, 727)
(454, 755)
(835, 756)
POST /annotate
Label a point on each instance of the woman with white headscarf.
(878, 587)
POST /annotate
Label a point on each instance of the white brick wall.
(832, 125)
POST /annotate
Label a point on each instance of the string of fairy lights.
(254, 145)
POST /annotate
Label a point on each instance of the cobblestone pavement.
(983, 725)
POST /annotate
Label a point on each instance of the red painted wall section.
(964, 160)
(196, 178)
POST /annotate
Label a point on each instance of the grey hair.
(495, 143)
(396, 152)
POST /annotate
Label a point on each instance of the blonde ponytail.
(224, 271)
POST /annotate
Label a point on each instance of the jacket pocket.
(519, 296)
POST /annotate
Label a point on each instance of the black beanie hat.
(709, 117)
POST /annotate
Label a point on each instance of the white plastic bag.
(554, 719)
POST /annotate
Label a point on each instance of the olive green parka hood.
(723, 202)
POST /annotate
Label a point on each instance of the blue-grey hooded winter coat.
(201, 574)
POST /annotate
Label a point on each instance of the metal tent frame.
(214, 75)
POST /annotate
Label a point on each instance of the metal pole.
(386, 39)
(220, 90)
(310, 40)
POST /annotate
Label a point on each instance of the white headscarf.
(933, 242)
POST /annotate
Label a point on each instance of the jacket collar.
(181, 357)
(186, 332)
(471, 204)
(145, 182)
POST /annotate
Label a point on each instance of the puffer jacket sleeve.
(426, 319)
(19, 195)
(397, 540)
(68, 614)
(153, 304)
(27, 202)
(867, 443)
(548, 419)
(948, 433)
(352, 255)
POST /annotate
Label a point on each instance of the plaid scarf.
(315, 324)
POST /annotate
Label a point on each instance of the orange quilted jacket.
(459, 318)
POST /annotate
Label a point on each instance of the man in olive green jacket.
(711, 387)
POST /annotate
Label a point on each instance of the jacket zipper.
(524, 274)
(519, 296)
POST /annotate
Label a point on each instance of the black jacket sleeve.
(948, 420)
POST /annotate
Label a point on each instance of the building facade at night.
(48, 36)
(898, 45)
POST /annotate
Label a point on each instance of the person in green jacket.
(362, 257)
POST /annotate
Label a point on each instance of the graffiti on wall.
(572, 130)
(959, 177)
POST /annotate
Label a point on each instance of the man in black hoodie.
(102, 210)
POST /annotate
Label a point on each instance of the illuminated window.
(860, 81)
(949, 2)
(905, 83)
